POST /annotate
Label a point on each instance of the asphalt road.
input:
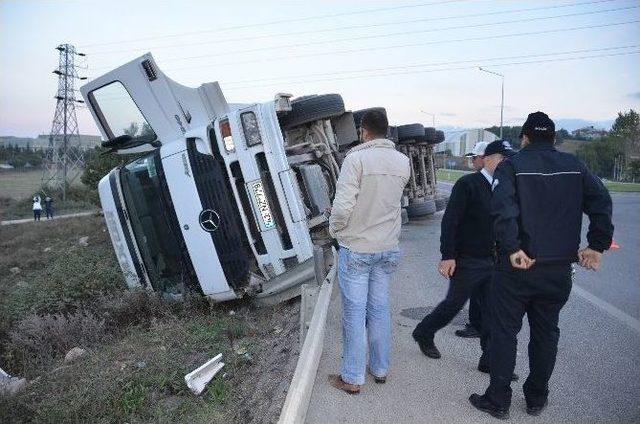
(597, 375)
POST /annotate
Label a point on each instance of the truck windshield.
(158, 247)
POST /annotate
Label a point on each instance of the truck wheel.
(430, 135)
(441, 203)
(439, 136)
(392, 134)
(312, 108)
(358, 114)
(416, 210)
(410, 132)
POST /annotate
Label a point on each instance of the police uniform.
(537, 207)
(466, 235)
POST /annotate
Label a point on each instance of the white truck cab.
(224, 199)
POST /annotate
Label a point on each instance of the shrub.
(71, 280)
(37, 341)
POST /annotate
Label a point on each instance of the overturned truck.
(223, 199)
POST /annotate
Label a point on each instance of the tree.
(626, 132)
(562, 135)
(97, 166)
(132, 129)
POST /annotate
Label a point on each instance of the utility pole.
(502, 95)
(433, 117)
(64, 157)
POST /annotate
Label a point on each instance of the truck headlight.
(227, 139)
(250, 128)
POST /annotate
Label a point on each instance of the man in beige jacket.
(365, 220)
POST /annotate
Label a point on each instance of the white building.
(459, 142)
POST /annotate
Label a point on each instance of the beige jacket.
(365, 216)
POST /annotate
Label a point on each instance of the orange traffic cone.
(614, 245)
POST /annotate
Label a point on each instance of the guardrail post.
(308, 299)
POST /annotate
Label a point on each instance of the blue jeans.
(364, 283)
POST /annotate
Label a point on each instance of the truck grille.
(214, 189)
(274, 204)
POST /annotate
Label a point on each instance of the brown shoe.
(336, 381)
(378, 380)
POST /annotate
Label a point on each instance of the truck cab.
(223, 199)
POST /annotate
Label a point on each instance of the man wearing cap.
(473, 327)
(467, 247)
(537, 207)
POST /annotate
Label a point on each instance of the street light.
(502, 102)
(433, 116)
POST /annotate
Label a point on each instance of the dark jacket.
(538, 203)
(466, 228)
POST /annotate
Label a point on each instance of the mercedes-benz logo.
(209, 220)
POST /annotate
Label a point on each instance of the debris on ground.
(84, 241)
(74, 353)
(15, 270)
(198, 379)
(9, 386)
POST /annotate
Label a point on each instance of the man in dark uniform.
(537, 205)
(467, 247)
(474, 326)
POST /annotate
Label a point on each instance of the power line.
(281, 21)
(421, 65)
(379, 48)
(443, 69)
(394, 34)
(361, 26)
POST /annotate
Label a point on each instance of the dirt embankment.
(58, 293)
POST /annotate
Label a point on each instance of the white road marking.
(608, 308)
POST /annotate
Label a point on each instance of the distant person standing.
(48, 207)
(538, 200)
(37, 208)
(474, 326)
(365, 220)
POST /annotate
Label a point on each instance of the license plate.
(263, 205)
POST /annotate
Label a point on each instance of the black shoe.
(485, 405)
(485, 369)
(537, 410)
(468, 332)
(427, 346)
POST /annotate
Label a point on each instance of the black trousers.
(475, 309)
(540, 292)
(471, 274)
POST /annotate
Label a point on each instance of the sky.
(574, 59)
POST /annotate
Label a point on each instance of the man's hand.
(520, 260)
(447, 267)
(590, 259)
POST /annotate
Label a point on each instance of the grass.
(139, 345)
(452, 175)
(18, 184)
(622, 187)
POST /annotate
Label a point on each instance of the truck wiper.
(127, 142)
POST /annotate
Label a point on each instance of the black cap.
(499, 146)
(538, 127)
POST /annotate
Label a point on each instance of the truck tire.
(410, 132)
(430, 135)
(439, 137)
(312, 108)
(441, 202)
(358, 114)
(416, 210)
(392, 134)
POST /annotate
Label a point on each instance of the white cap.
(478, 149)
